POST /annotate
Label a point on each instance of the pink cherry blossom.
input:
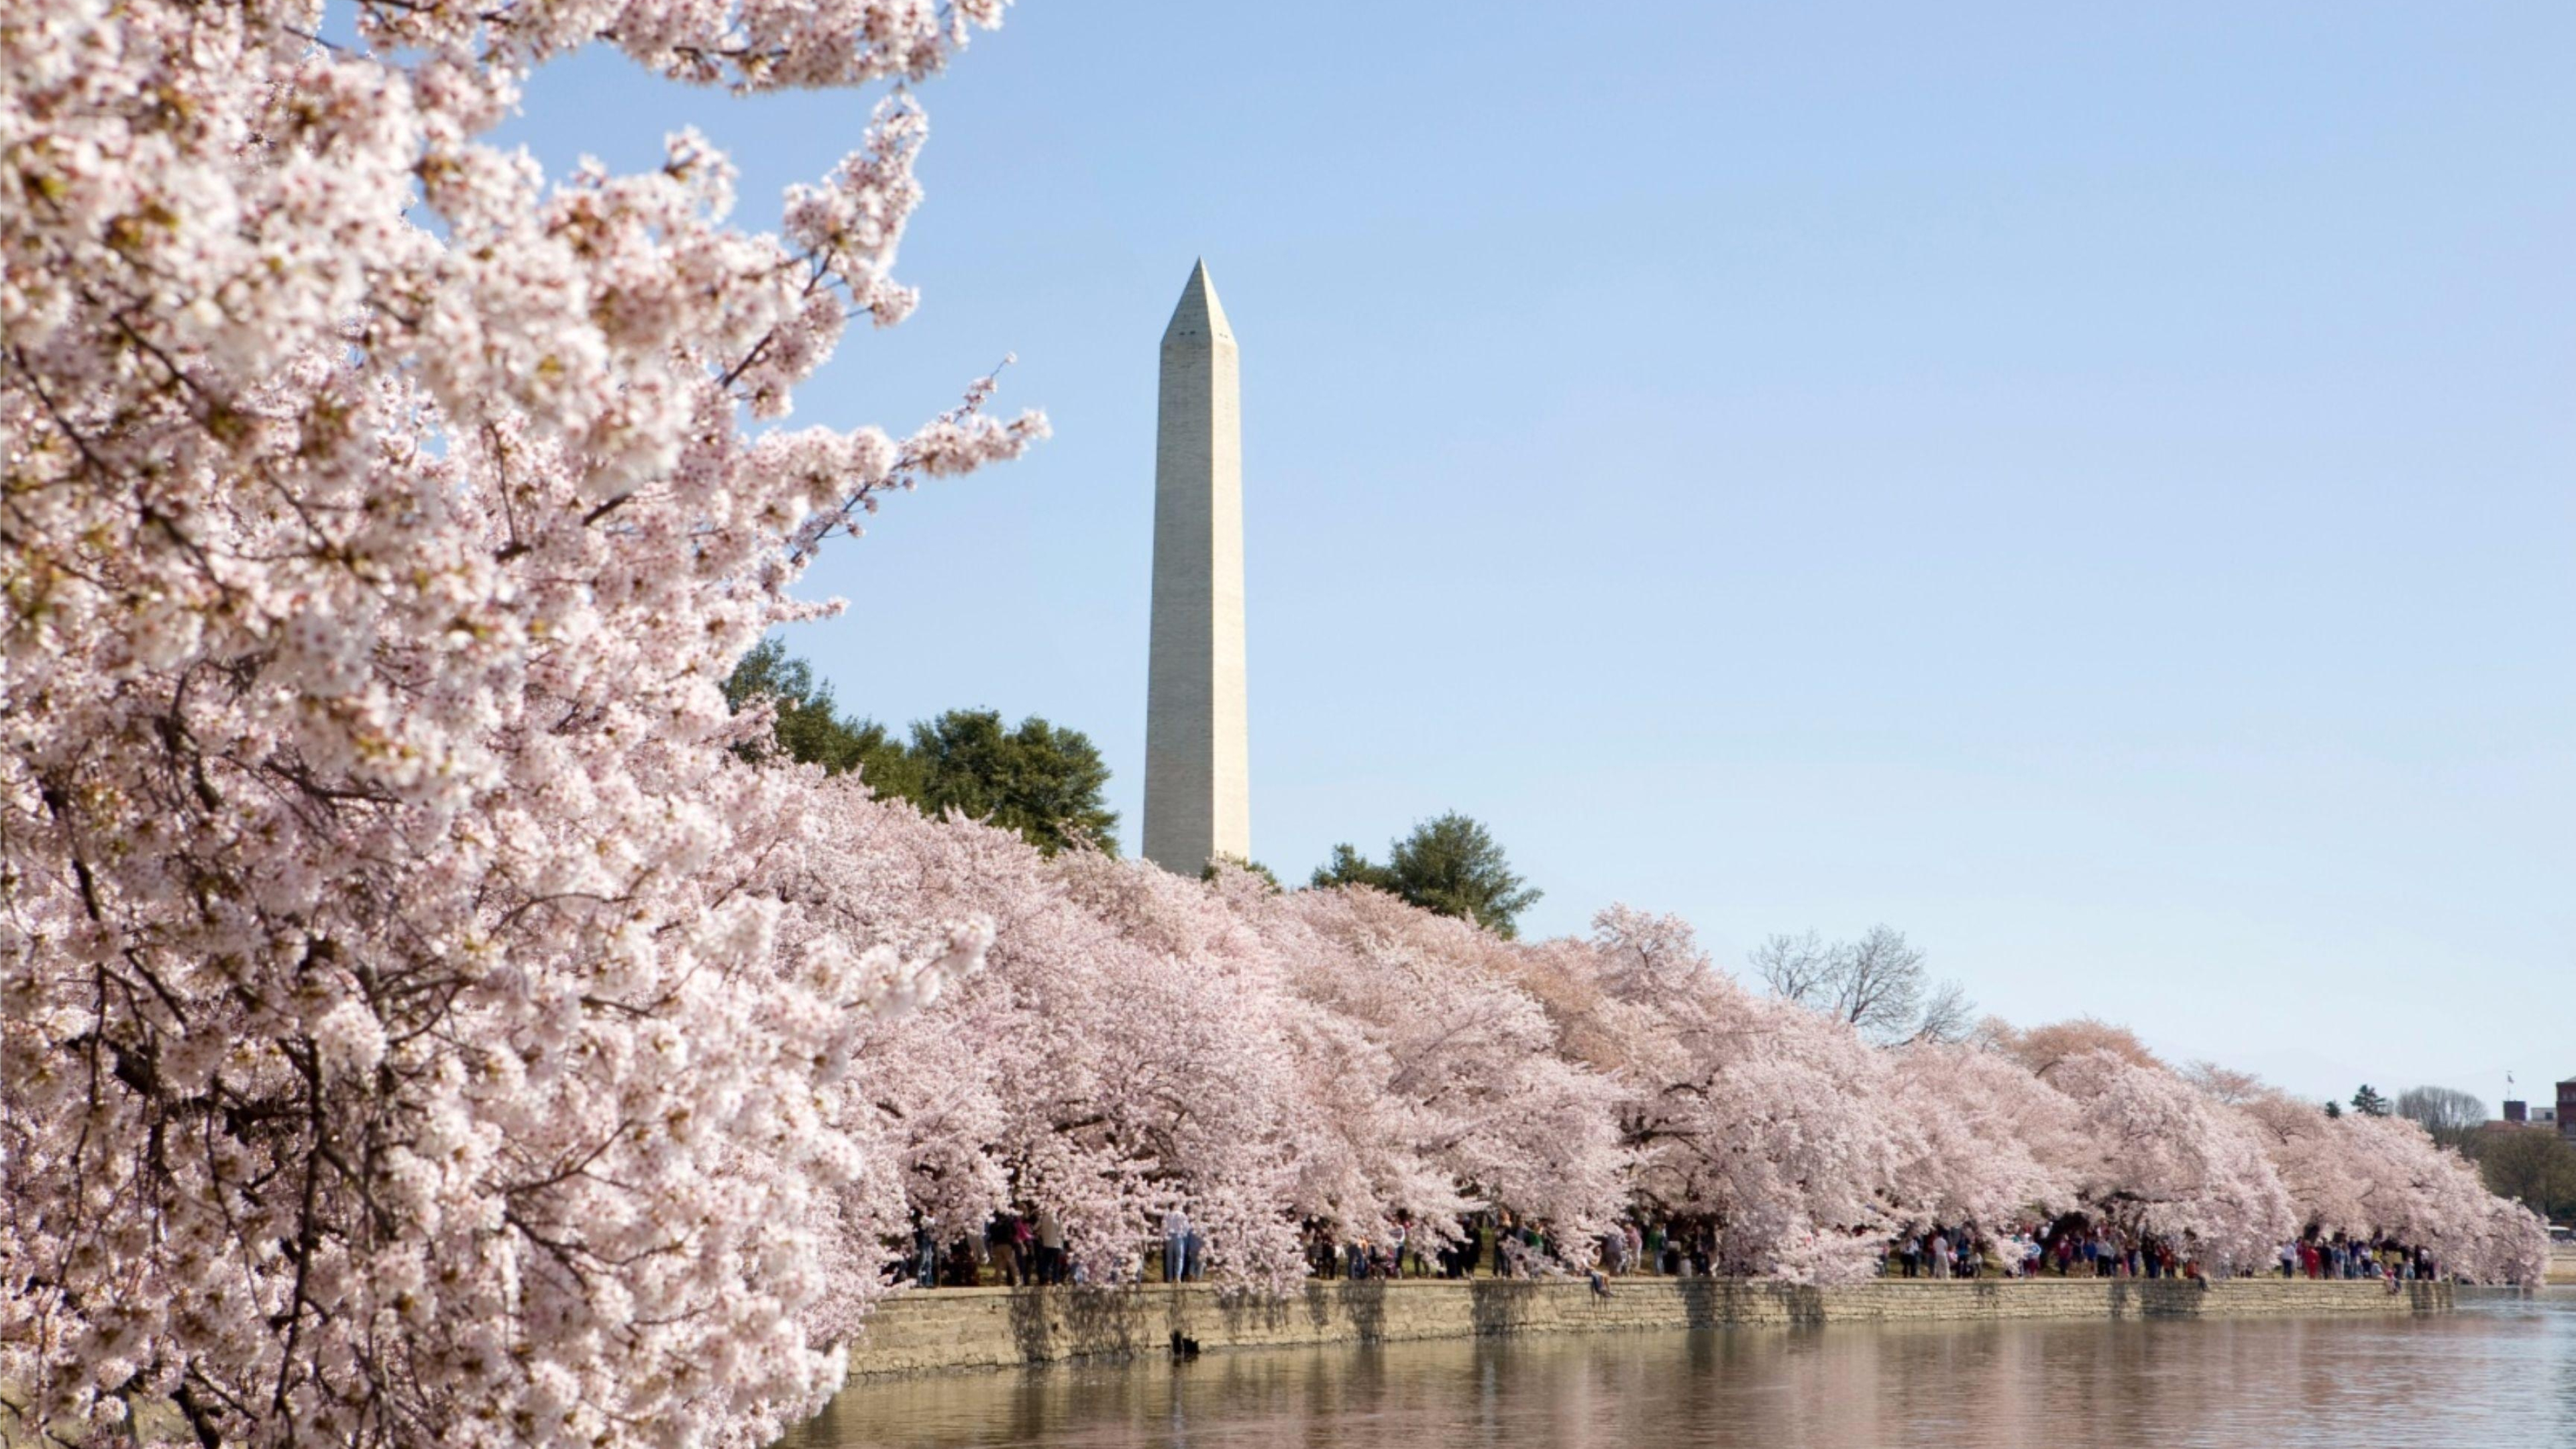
(2154, 1154)
(400, 1045)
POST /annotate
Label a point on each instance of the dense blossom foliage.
(399, 1044)
(1140, 1042)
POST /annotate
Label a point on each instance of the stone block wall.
(956, 1328)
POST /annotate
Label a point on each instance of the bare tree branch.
(1948, 1015)
(1876, 983)
(1796, 968)
(1882, 983)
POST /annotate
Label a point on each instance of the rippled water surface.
(2498, 1374)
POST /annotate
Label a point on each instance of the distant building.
(2517, 1112)
(2567, 1109)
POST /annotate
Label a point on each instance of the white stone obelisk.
(1198, 793)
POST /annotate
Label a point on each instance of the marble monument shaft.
(1197, 792)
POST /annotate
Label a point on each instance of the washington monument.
(1198, 797)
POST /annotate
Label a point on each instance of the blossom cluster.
(395, 1046)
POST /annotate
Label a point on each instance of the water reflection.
(2499, 1374)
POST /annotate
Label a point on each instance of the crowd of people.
(2321, 1256)
(1029, 1249)
(2068, 1248)
(2076, 1248)
(1016, 1250)
(1493, 1242)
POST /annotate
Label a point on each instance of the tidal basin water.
(2498, 1374)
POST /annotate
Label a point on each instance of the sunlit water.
(2498, 1374)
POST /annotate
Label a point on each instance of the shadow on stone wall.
(1805, 1302)
(1497, 1305)
(2157, 1297)
(2430, 1297)
(1084, 1322)
(1244, 1316)
(1364, 1307)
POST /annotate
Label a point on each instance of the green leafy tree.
(2333, 1108)
(809, 729)
(1041, 781)
(2368, 1102)
(1348, 867)
(1036, 779)
(1451, 865)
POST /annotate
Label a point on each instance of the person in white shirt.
(1050, 1247)
(1176, 1243)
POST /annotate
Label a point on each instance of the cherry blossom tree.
(1765, 1119)
(1986, 1141)
(1462, 1099)
(1123, 1052)
(2154, 1154)
(2041, 1048)
(1167, 1076)
(2384, 1177)
(399, 1046)
(1138, 1042)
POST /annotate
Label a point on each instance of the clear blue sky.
(2094, 487)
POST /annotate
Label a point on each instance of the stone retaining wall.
(956, 1328)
